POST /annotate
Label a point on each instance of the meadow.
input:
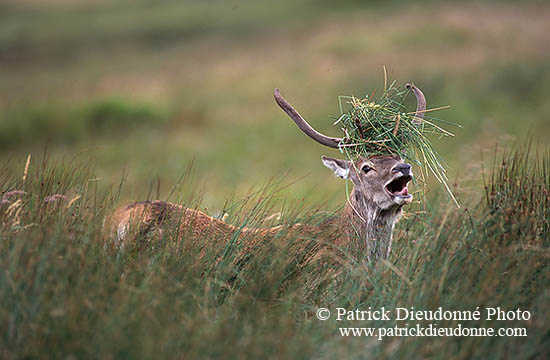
(133, 100)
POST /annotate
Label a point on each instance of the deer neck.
(370, 224)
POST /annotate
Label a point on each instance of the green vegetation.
(65, 294)
(25, 126)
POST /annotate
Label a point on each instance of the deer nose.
(404, 168)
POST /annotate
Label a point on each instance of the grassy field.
(64, 294)
(125, 100)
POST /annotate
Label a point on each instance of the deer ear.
(340, 167)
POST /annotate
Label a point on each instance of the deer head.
(379, 180)
(382, 180)
(380, 183)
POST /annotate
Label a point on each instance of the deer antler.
(332, 141)
(303, 125)
(420, 104)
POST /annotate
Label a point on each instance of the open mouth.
(398, 186)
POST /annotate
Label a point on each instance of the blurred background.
(141, 88)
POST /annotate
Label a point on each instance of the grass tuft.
(380, 125)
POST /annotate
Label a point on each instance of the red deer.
(373, 207)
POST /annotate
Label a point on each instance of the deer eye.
(365, 168)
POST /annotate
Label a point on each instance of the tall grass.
(63, 293)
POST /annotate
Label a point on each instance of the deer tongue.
(403, 192)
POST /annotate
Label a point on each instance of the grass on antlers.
(376, 125)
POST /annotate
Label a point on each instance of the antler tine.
(303, 125)
(420, 104)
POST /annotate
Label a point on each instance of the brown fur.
(365, 224)
(146, 215)
(207, 234)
